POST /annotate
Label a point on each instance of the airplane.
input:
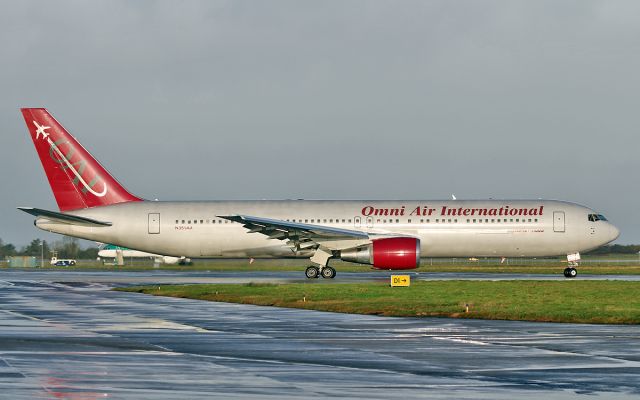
(387, 235)
(106, 250)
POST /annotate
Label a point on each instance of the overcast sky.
(330, 100)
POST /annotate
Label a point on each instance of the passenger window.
(422, 221)
(176, 221)
(536, 220)
(408, 221)
(529, 219)
(437, 220)
(468, 221)
(397, 221)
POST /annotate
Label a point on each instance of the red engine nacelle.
(387, 253)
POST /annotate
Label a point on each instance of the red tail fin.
(76, 178)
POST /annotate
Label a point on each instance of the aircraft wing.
(63, 218)
(300, 236)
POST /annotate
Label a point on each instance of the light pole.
(41, 253)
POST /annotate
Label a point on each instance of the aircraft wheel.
(312, 272)
(566, 272)
(573, 272)
(328, 273)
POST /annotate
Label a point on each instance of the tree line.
(616, 249)
(67, 247)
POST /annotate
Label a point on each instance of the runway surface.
(65, 335)
(178, 277)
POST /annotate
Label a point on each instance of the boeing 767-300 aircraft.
(384, 234)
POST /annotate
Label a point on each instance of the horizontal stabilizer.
(63, 218)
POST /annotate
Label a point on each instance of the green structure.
(23, 262)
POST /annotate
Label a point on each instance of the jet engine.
(386, 253)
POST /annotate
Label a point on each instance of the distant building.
(23, 261)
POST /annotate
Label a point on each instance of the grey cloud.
(338, 99)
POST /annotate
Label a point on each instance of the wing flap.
(299, 236)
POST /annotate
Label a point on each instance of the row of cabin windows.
(203, 221)
(224, 221)
(469, 221)
(379, 221)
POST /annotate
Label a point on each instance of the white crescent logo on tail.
(41, 130)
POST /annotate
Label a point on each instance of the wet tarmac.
(64, 334)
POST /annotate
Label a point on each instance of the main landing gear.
(321, 257)
(570, 272)
(315, 272)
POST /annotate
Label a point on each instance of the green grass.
(601, 302)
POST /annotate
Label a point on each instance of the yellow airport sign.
(400, 280)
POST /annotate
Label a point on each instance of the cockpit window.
(596, 217)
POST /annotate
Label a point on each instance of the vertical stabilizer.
(76, 178)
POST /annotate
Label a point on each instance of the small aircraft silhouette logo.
(41, 131)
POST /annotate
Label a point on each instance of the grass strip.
(598, 302)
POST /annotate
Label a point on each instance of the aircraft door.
(357, 222)
(369, 222)
(154, 223)
(558, 221)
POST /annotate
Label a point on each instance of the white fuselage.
(457, 228)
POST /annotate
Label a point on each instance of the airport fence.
(299, 262)
(524, 261)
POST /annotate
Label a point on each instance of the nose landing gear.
(573, 260)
